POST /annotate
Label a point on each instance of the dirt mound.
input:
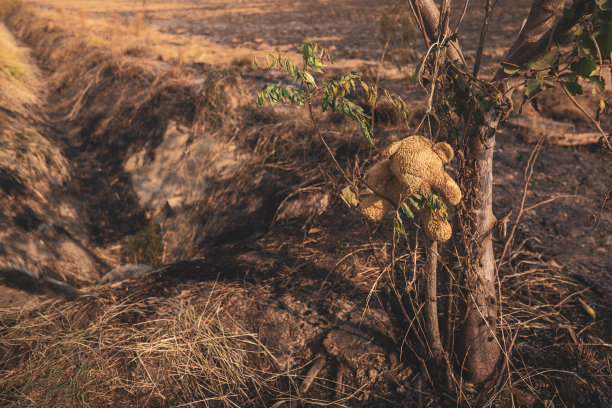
(178, 337)
(41, 230)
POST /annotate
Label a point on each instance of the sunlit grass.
(12, 58)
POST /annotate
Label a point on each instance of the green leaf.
(599, 84)
(568, 77)
(509, 68)
(573, 87)
(450, 38)
(418, 72)
(545, 61)
(451, 102)
(406, 211)
(584, 67)
(307, 76)
(399, 225)
(586, 47)
(603, 36)
(533, 86)
(414, 202)
(349, 197)
(485, 104)
(605, 5)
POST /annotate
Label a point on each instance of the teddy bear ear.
(444, 151)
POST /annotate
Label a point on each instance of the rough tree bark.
(478, 348)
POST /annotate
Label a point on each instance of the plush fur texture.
(414, 165)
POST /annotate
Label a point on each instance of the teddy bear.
(414, 165)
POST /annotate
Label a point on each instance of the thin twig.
(506, 363)
(419, 18)
(465, 6)
(603, 204)
(314, 122)
(317, 366)
(528, 173)
(551, 200)
(604, 136)
(483, 34)
(382, 60)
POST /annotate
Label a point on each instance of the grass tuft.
(147, 245)
(150, 351)
(8, 6)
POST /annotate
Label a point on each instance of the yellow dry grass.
(24, 152)
(123, 28)
(17, 77)
(149, 351)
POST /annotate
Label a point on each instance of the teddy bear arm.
(445, 187)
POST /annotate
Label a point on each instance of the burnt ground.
(571, 231)
(307, 274)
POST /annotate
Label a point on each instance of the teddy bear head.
(418, 163)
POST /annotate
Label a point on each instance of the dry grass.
(148, 351)
(8, 6)
(26, 156)
(560, 352)
(12, 59)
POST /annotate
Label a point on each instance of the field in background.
(129, 135)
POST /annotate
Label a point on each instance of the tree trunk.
(479, 349)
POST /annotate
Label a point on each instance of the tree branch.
(483, 33)
(430, 15)
(546, 24)
(432, 328)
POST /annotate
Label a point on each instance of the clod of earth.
(124, 272)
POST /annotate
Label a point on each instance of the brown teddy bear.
(413, 165)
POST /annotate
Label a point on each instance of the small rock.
(48, 230)
(356, 350)
(124, 272)
(303, 206)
